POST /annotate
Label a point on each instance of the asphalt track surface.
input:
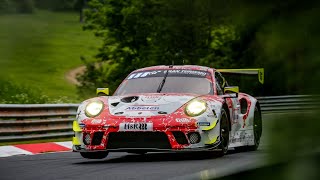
(69, 165)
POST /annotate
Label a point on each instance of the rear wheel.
(94, 155)
(257, 132)
(224, 133)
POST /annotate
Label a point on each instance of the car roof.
(188, 67)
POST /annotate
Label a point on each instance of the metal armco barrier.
(40, 121)
(272, 104)
(36, 121)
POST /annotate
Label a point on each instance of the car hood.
(146, 105)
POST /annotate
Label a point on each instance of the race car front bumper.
(90, 139)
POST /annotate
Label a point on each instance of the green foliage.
(221, 53)
(92, 78)
(6, 6)
(143, 33)
(58, 5)
(11, 93)
(24, 6)
(37, 50)
(278, 36)
(16, 6)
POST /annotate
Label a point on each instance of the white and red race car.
(169, 108)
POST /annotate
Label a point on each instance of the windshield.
(177, 81)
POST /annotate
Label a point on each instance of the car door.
(233, 103)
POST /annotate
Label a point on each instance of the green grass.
(37, 50)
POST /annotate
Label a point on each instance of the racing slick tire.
(257, 132)
(94, 155)
(224, 134)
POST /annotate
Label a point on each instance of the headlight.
(195, 108)
(94, 108)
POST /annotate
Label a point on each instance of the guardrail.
(41, 121)
(36, 121)
(272, 104)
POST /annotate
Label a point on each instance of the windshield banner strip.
(171, 73)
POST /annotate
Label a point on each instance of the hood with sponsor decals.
(146, 105)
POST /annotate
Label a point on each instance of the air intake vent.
(97, 137)
(180, 137)
(129, 99)
(157, 140)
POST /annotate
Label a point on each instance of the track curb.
(38, 148)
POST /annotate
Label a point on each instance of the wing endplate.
(258, 71)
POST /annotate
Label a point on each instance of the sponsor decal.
(136, 127)
(171, 72)
(150, 99)
(142, 108)
(142, 74)
(203, 123)
(188, 72)
(96, 121)
(242, 139)
(183, 120)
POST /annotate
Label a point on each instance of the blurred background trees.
(279, 36)
(28, 6)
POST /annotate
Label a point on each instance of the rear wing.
(258, 71)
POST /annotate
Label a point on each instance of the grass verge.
(36, 50)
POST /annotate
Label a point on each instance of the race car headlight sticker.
(195, 108)
(94, 108)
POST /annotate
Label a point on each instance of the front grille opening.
(158, 140)
(97, 137)
(180, 137)
(86, 138)
(194, 137)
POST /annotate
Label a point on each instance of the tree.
(141, 33)
(220, 34)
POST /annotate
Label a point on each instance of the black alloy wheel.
(224, 133)
(257, 128)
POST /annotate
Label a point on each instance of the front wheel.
(94, 155)
(224, 133)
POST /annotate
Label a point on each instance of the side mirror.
(231, 91)
(102, 91)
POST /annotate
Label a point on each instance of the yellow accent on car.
(213, 140)
(76, 127)
(258, 71)
(102, 91)
(211, 126)
(75, 141)
(231, 89)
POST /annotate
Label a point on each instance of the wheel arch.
(225, 107)
(259, 108)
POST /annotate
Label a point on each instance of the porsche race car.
(169, 108)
